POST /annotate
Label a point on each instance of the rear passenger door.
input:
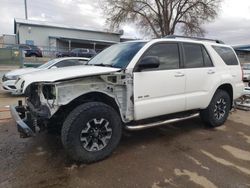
(200, 74)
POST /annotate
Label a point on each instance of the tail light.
(242, 74)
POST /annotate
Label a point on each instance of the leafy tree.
(162, 17)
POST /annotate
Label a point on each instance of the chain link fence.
(9, 57)
(16, 55)
(29, 55)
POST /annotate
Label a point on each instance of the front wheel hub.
(96, 134)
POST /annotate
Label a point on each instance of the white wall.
(40, 35)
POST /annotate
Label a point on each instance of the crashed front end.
(35, 114)
(49, 101)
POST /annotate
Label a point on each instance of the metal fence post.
(21, 58)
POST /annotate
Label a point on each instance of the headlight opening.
(49, 92)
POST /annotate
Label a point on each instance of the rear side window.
(193, 55)
(207, 59)
(226, 54)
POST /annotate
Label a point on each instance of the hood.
(52, 75)
(19, 72)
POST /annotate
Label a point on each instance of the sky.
(232, 24)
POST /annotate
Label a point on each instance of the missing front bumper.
(24, 121)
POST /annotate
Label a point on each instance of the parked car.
(78, 52)
(246, 71)
(133, 85)
(9, 79)
(29, 50)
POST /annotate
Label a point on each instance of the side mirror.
(149, 62)
(53, 67)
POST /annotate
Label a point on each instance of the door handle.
(179, 74)
(211, 72)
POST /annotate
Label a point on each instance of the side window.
(207, 60)
(193, 55)
(226, 54)
(168, 54)
(82, 62)
(67, 63)
(84, 50)
(75, 62)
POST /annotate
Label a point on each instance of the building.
(7, 40)
(243, 52)
(58, 37)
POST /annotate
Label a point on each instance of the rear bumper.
(24, 124)
(238, 90)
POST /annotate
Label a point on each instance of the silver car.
(246, 71)
(9, 79)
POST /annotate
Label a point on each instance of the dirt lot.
(184, 154)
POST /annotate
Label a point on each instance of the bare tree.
(162, 17)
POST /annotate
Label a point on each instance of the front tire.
(91, 132)
(218, 110)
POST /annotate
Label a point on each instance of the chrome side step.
(155, 124)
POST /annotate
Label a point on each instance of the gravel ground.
(184, 154)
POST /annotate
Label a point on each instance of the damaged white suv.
(132, 85)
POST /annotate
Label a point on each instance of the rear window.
(226, 54)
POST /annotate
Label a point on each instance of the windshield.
(118, 55)
(246, 66)
(48, 64)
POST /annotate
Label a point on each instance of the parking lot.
(185, 154)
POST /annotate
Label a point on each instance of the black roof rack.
(195, 38)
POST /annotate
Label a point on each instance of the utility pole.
(26, 13)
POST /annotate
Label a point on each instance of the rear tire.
(218, 110)
(91, 132)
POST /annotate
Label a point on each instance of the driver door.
(161, 90)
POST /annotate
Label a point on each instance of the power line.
(26, 13)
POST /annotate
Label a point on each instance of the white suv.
(132, 85)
